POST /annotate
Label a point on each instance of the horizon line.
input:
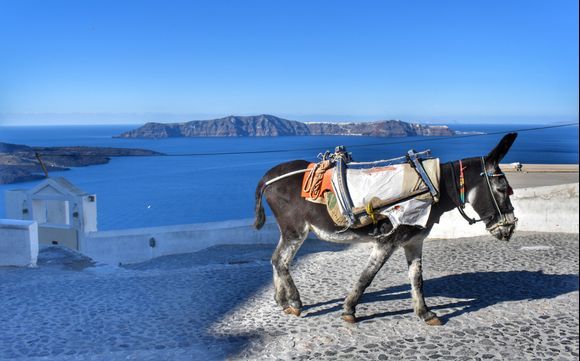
(129, 118)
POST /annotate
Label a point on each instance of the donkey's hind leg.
(286, 293)
(413, 252)
(380, 254)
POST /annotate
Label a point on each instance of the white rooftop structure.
(64, 213)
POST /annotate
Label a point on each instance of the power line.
(48, 154)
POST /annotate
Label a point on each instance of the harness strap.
(343, 195)
(461, 191)
(308, 185)
(491, 189)
(415, 162)
(266, 184)
(461, 205)
(467, 218)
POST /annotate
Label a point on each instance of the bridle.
(461, 191)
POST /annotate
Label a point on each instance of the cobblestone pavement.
(514, 301)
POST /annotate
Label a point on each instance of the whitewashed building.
(56, 212)
(63, 212)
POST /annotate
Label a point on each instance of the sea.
(134, 192)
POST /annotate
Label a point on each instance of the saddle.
(359, 194)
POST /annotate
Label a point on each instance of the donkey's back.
(282, 191)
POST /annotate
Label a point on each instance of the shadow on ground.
(222, 291)
(70, 307)
(483, 289)
(64, 258)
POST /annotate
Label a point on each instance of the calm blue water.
(154, 191)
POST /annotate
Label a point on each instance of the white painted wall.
(539, 209)
(15, 204)
(18, 243)
(133, 245)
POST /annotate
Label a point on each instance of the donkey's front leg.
(287, 294)
(380, 254)
(413, 252)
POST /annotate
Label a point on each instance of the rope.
(266, 184)
(371, 212)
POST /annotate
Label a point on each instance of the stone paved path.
(515, 301)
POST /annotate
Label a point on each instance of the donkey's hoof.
(292, 311)
(349, 318)
(434, 321)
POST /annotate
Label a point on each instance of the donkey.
(480, 179)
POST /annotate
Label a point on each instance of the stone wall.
(141, 244)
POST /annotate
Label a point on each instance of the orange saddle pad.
(314, 190)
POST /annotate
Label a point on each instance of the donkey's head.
(490, 194)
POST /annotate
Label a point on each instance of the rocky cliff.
(232, 126)
(269, 126)
(18, 163)
(385, 128)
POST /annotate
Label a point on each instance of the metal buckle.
(492, 174)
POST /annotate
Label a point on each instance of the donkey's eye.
(505, 189)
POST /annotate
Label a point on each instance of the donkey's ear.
(501, 149)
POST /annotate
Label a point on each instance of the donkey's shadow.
(481, 289)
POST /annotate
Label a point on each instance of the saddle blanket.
(392, 181)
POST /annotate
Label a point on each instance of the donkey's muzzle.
(504, 228)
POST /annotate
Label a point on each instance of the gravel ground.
(514, 301)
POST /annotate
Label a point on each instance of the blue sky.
(431, 61)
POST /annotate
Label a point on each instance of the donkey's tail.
(259, 209)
